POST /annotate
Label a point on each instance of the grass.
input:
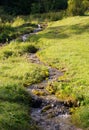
(13, 116)
(16, 73)
(64, 46)
(14, 27)
(69, 54)
(14, 57)
(82, 115)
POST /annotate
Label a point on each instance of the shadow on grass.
(27, 25)
(59, 32)
(79, 29)
(62, 32)
(8, 33)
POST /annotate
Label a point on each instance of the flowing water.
(47, 111)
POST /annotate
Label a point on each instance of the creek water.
(48, 112)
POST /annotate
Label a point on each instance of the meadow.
(63, 44)
(17, 73)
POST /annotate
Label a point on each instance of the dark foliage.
(33, 6)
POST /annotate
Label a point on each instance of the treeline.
(77, 7)
(33, 6)
(72, 7)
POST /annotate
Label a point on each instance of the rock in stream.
(48, 112)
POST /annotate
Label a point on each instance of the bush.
(29, 48)
(7, 53)
(77, 7)
(54, 16)
(18, 22)
(6, 33)
(50, 16)
(4, 37)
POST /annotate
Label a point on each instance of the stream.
(48, 112)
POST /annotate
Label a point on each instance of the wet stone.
(57, 127)
(36, 103)
(48, 112)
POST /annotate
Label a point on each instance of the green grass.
(81, 117)
(22, 72)
(13, 116)
(65, 46)
(13, 58)
(17, 49)
(69, 54)
(14, 27)
(16, 73)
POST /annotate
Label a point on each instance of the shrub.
(77, 7)
(4, 37)
(18, 22)
(6, 33)
(7, 53)
(50, 16)
(29, 48)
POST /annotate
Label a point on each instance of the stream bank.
(47, 111)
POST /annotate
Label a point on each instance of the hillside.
(62, 46)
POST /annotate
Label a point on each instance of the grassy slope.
(16, 72)
(65, 45)
(67, 48)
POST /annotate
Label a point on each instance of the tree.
(43, 6)
(77, 7)
(33, 6)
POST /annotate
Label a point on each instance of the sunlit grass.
(16, 73)
(18, 22)
(69, 53)
(65, 45)
(14, 27)
(16, 66)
